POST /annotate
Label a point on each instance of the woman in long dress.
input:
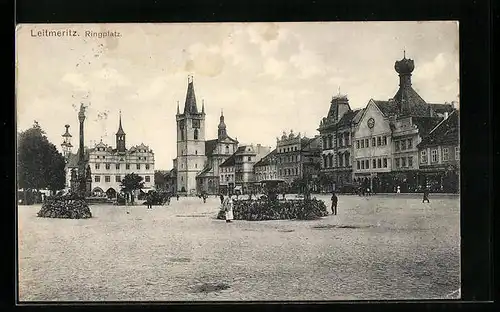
(228, 205)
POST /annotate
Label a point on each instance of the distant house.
(439, 155)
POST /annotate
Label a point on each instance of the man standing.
(150, 200)
(221, 198)
(334, 204)
(426, 195)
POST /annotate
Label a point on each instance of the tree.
(130, 183)
(39, 163)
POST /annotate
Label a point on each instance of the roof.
(73, 158)
(205, 170)
(410, 102)
(426, 124)
(345, 120)
(229, 162)
(266, 159)
(210, 146)
(190, 104)
(442, 108)
(120, 129)
(446, 132)
(388, 108)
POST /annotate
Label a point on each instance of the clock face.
(371, 123)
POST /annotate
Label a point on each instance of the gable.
(381, 124)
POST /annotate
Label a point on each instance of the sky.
(266, 77)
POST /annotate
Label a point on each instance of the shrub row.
(259, 210)
(67, 207)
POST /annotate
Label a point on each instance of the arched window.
(182, 134)
(196, 134)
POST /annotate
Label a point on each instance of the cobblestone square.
(377, 247)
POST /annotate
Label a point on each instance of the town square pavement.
(377, 247)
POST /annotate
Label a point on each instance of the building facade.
(217, 151)
(387, 135)
(439, 156)
(227, 175)
(266, 168)
(288, 149)
(336, 132)
(110, 165)
(246, 157)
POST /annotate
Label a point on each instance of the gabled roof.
(266, 159)
(388, 108)
(442, 108)
(446, 132)
(229, 162)
(410, 102)
(425, 124)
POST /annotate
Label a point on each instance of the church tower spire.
(120, 136)
(222, 131)
(190, 104)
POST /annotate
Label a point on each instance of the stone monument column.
(81, 155)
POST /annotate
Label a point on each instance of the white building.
(110, 165)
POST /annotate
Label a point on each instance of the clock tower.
(190, 142)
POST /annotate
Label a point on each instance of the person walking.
(221, 198)
(426, 195)
(334, 204)
(204, 198)
(399, 189)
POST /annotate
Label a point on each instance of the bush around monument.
(65, 207)
(259, 210)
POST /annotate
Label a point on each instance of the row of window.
(342, 140)
(375, 163)
(402, 145)
(117, 178)
(343, 160)
(288, 149)
(263, 176)
(401, 162)
(435, 155)
(289, 171)
(117, 166)
(291, 158)
(376, 141)
(195, 166)
(102, 149)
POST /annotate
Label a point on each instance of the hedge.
(259, 210)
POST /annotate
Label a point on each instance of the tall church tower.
(190, 142)
(120, 137)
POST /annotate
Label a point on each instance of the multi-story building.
(439, 156)
(336, 131)
(110, 165)
(288, 157)
(217, 151)
(297, 157)
(226, 175)
(388, 132)
(246, 157)
(266, 169)
(197, 163)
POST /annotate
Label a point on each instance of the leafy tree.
(39, 163)
(130, 183)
